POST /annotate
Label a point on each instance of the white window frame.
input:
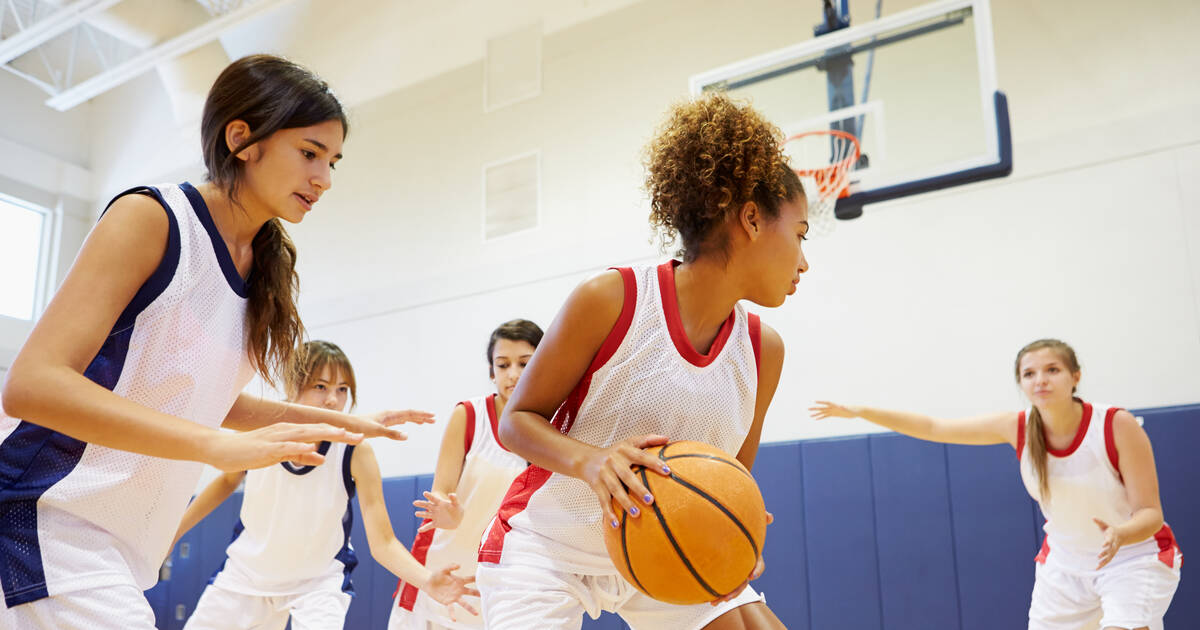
(47, 265)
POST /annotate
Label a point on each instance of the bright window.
(20, 253)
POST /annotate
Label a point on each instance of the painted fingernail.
(648, 499)
(633, 510)
(615, 524)
(666, 470)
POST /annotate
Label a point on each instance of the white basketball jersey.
(75, 515)
(646, 378)
(488, 470)
(1085, 483)
(293, 535)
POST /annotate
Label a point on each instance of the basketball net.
(823, 159)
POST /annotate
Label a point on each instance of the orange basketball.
(701, 537)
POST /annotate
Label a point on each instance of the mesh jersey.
(1085, 483)
(293, 535)
(75, 515)
(646, 378)
(488, 470)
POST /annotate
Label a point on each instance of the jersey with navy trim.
(1085, 483)
(75, 515)
(488, 470)
(647, 378)
(293, 534)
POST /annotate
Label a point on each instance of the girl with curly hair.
(640, 355)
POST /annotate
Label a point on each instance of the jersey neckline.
(670, 302)
(236, 282)
(1084, 422)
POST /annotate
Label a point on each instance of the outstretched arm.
(210, 497)
(46, 384)
(252, 412)
(440, 584)
(997, 428)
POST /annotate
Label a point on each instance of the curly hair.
(710, 157)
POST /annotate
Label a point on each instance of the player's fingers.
(642, 441)
(467, 607)
(612, 480)
(425, 526)
(408, 415)
(605, 498)
(300, 452)
(390, 433)
(314, 433)
(759, 567)
(635, 488)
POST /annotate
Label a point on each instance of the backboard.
(917, 88)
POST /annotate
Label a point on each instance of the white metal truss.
(57, 46)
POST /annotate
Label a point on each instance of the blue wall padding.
(843, 563)
(785, 582)
(1175, 436)
(879, 532)
(993, 536)
(917, 572)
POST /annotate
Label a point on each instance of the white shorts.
(520, 598)
(116, 607)
(1133, 594)
(222, 609)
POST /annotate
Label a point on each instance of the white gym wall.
(922, 303)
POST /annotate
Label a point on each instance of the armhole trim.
(469, 433)
(1110, 444)
(1020, 434)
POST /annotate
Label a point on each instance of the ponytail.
(273, 325)
(1036, 431)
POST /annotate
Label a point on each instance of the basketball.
(701, 537)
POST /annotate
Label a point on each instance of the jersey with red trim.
(646, 378)
(488, 470)
(1085, 483)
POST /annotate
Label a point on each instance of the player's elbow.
(510, 434)
(16, 398)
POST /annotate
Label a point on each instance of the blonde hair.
(1035, 433)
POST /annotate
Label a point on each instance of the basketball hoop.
(823, 184)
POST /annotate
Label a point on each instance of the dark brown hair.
(309, 359)
(710, 157)
(514, 330)
(268, 93)
(1035, 432)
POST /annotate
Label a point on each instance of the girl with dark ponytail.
(1107, 554)
(179, 295)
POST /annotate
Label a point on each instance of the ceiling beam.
(147, 60)
(50, 27)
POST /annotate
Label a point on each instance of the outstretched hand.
(442, 512)
(380, 423)
(1112, 542)
(273, 444)
(609, 473)
(449, 589)
(825, 409)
